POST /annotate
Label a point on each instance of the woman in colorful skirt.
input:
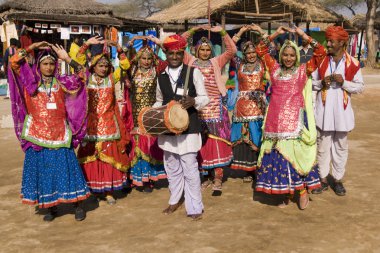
(248, 104)
(103, 153)
(146, 157)
(287, 160)
(49, 113)
(216, 151)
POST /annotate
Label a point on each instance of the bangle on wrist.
(266, 40)
(313, 42)
(223, 32)
(29, 50)
(236, 37)
(22, 53)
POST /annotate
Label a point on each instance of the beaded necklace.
(286, 72)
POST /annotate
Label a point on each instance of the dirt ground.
(237, 221)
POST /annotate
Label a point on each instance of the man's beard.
(330, 53)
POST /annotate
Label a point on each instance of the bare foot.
(304, 201)
(284, 203)
(171, 209)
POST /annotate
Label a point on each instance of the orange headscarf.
(175, 42)
(336, 33)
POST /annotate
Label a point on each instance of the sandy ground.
(237, 221)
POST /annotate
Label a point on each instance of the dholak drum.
(170, 118)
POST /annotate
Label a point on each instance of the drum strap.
(186, 80)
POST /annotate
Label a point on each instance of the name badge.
(179, 91)
(51, 106)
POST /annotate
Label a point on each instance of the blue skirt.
(144, 171)
(277, 176)
(52, 176)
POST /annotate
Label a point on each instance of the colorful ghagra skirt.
(52, 176)
(277, 176)
(104, 166)
(216, 151)
(146, 160)
(246, 141)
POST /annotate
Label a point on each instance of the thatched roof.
(73, 7)
(359, 21)
(302, 11)
(70, 11)
(136, 24)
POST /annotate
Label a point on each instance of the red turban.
(175, 42)
(336, 33)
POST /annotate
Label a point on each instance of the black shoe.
(216, 193)
(339, 189)
(52, 213)
(324, 187)
(148, 188)
(80, 214)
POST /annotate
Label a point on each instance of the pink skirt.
(215, 154)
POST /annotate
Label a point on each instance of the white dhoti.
(183, 176)
(332, 148)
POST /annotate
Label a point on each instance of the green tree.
(372, 6)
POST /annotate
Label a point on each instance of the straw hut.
(136, 24)
(43, 18)
(65, 11)
(248, 11)
(360, 23)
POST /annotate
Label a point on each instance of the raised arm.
(319, 53)
(186, 35)
(18, 64)
(124, 64)
(161, 64)
(263, 48)
(230, 47)
(70, 83)
(238, 35)
(81, 55)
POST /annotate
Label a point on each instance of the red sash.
(352, 66)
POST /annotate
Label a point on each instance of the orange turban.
(336, 33)
(175, 42)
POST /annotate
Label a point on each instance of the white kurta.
(332, 116)
(184, 143)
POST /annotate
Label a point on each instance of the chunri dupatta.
(28, 78)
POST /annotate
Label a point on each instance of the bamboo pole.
(360, 45)
(257, 6)
(209, 17)
(243, 13)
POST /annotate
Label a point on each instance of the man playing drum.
(180, 151)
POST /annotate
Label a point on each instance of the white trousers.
(332, 149)
(183, 175)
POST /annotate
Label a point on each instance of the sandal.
(206, 184)
(247, 179)
(217, 188)
(110, 200)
